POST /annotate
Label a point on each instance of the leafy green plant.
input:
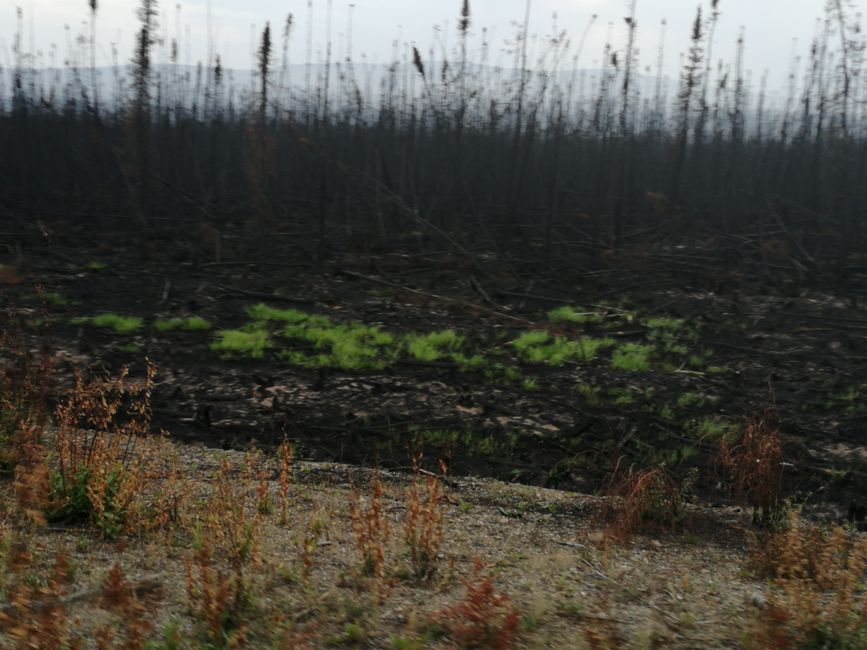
(685, 400)
(188, 324)
(352, 346)
(250, 341)
(433, 346)
(571, 315)
(712, 429)
(634, 357)
(672, 335)
(530, 385)
(262, 312)
(540, 347)
(590, 394)
(120, 324)
(53, 298)
(475, 361)
(531, 339)
(622, 396)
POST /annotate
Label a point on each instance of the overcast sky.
(771, 26)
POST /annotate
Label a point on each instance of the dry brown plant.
(423, 522)
(819, 600)
(234, 527)
(35, 616)
(284, 453)
(119, 598)
(102, 453)
(755, 465)
(308, 540)
(642, 500)
(24, 384)
(31, 484)
(211, 596)
(371, 528)
(484, 618)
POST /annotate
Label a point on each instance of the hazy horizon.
(377, 24)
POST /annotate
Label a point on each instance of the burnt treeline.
(446, 145)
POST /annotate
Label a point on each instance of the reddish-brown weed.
(484, 618)
(755, 465)
(423, 522)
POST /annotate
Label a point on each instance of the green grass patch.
(590, 394)
(622, 396)
(120, 324)
(433, 346)
(672, 335)
(850, 394)
(189, 324)
(468, 440)
(634, 357)
(263, 312)
(712, 429)
(540, 347)
(352, 346)
(51, 298)
(665, 323)
(475, 361)
(689, 399)
(96, 266)
(530, 385)
(571, 315)
(529, 340)
(131, 348)
(250, 341)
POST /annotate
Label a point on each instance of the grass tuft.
(250, 341)
(188, 324)
(434, 346)
(633, 357)
(540, 347)
(571, 315)
(120, 324)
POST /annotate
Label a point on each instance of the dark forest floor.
(676, 345)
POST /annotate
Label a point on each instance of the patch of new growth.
(315, 341)
(116, 322)
(187, 324)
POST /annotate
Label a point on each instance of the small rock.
(758, 600)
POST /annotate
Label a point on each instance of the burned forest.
(505, 341)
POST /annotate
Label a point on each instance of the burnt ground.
(760, 331)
